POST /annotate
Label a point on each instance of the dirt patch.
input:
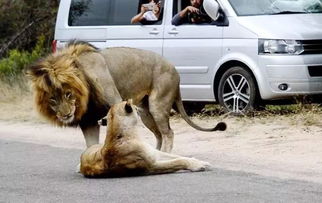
(281, 146)
(272, 147)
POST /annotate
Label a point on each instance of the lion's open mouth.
(67, 120)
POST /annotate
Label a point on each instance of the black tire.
(237, 90)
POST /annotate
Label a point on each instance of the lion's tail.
(220, 126)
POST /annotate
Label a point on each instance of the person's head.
(196, 3)
(156, 9)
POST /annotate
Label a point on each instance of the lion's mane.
(62, 70)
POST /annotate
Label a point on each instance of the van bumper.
(301, 73)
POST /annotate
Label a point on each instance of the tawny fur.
(97, 79)
(124, 153)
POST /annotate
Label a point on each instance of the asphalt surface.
(41, 173)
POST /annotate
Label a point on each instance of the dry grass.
(16, 102)
(299, 113)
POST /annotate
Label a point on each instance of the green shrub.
(17, 60)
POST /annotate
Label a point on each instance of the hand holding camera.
(151, 6)
(192, 9)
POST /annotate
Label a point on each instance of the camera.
(149, 6)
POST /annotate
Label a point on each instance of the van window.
(178, 5)
(101, 12)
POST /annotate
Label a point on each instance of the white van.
(264, 49)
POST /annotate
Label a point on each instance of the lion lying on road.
(77, 85)
(124, 153)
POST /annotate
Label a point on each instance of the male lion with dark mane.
(78, 84)
(124, 153)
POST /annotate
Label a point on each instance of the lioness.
(77, 85)
(124, 153)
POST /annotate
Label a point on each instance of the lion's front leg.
(91, 134)
(169, 163)
(177, 164)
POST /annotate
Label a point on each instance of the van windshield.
(274, 7)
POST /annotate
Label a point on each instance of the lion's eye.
(52, 101)
(68, 95)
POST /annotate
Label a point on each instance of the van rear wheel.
(237, 90)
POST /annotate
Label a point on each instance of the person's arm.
(159, 10)
(180, 17)
(177, 20)
(139, 16)
(190, 9)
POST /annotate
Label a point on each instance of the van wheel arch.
(230, 64)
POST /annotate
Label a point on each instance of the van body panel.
(294, 71)
(235, 30)
(195, 60)
(192, 69)
(297, 27)
(62, 16)
(155, 45)
(203, 92)
(86, 33)
(148, 37)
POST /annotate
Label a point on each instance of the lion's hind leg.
(159, 106)
(149, 122)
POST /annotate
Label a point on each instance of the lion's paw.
(197, 165)
(77, 168)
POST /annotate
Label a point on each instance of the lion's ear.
(128, 107)
(75, 63)
(35, 70)
(129, 101)
(103, 121)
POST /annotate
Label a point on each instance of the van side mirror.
(212, 8)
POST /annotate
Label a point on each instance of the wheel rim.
(236, 93)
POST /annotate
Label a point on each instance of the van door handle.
(173, 31)
(154, 31)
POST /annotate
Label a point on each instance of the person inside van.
(149, 12)
(193, 14)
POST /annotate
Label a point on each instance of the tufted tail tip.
(103, 122)
(221, 126)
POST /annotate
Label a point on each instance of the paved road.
(40, 173)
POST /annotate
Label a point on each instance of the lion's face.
(61, 90)
(63, 104)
